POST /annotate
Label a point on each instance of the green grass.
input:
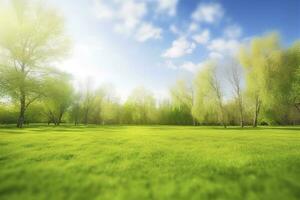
(149, 162)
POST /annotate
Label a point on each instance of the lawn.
(149, 162)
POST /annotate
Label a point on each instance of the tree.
(296, 90)
(106, 105)
(182, 97)
(235, 78)
(58, 97)
(76, 108)
(271, 77)
(165, 112)
(216, 88)
(96, 113)
(31, 37)
(141, 104)
(260, 61)
(88, 98)
(208, 95)
(292, 59)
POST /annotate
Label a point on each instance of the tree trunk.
(242, 121)
(257, 109)
(194, 121)
(86, 113)
(297, 105)
(222, 112)
(223, 119)
(60, 117)
(21, 118)
(76, 121)
(241, 113)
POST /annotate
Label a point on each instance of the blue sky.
(151, 43)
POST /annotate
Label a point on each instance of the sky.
(152, 43)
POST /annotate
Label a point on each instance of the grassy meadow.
(149, 162)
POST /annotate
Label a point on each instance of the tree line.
(264, 79)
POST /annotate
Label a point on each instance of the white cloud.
(223, 46)
(173, 28)
(208, 12)
(130, 14)
(215, 55)
(233, 31)
(103, 11)
(191, 67)
(125, 16)
(148, 31)
(203, 37)
(169, 64)
(168, 6)
(186, 66)
(180, 47)
(193, 27)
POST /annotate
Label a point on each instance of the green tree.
(106, 106)
(259, 61)
(141, 105)
(96, 112)
(271, 74)
(182, 97)
(31, 38)
(208, 96)
(235, 78)
(58, 95)
(164, 112)
(75, 113)
(292, 59)
(88, 99)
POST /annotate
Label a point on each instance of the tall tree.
(88, 97)
(208, 95)
(216, 88)
(31, 38)
(58, 95)
(141, 104)
(292, 59)
(76, 108)
(182, 96)
(261, 61)
(235, 78)
(106, 105)
(96, 113)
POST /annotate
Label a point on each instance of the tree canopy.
(33, 41)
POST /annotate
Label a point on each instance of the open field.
(149, 162)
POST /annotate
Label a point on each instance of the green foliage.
(31, 38)
(75, 112)
(292, 59)
(141, 106)
(58, 96)
(208, 104)
(270, 75)
(182, 100)
(110, 106)
(8, 113)
(35, 113)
